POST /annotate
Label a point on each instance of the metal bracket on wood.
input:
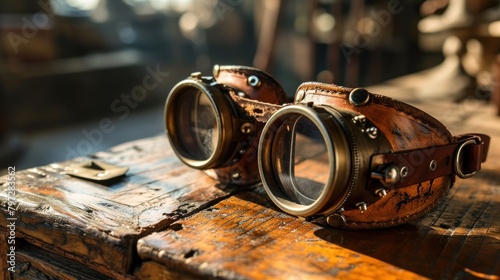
(95, 171)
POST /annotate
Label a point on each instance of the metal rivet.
(235, 160)
(253, 81)
(388, 174)
(336, 220)
(359, 96)
(362, 206)
(196, 75)
(216, 70)
(372, 132)
(300, 95)
(403, 172)
(361, 119)
(236, 175)
(242, 151)
(247, 128)
(433, 165)
(381, 192)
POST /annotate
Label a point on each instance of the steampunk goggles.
(348, 157)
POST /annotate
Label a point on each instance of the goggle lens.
(197, 124)
(300, 160)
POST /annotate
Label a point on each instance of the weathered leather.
(418, 161)
(410, 131)
(268, 90)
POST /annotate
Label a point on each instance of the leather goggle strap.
(261, 111)
(462, 158)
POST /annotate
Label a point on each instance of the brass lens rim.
(223, 116)
(339, 157)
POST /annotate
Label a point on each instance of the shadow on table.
(434, 253)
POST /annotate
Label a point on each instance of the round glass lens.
(197, 127)
(300, 160)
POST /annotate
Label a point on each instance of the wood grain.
(98, 225)
(3, 251)
(246, 237)
(164, 220)
(34, 263)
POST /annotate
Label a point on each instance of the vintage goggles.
(346, 157)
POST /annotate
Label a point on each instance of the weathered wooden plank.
(98, 224)
(34, 263)
(4, 272)
(150, 270)
(245, 236)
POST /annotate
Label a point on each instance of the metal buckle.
(458, 167)
(95, 171)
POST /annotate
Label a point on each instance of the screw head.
(359, 97)
(196, 75)
(372, 132)
(247, 128)
(216, 70)
(336, 220)
(362, 206)
(361, 120)
(381, 192)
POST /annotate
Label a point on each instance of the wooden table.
(164, 220)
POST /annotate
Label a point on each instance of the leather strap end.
(474, 154)
(420, 165)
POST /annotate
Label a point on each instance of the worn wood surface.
(35, 263)
(98, 224)
(167, 221)
(245, 237)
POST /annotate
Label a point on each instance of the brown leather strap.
(266, 89)
(463, 158)
(261, 111)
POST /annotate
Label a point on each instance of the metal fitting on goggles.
(345, 157)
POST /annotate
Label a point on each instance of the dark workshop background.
(80, 76)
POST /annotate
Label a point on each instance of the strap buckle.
(459, 158)
(463, 158)
(467, 160)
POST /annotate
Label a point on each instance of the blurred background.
(80, 76)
